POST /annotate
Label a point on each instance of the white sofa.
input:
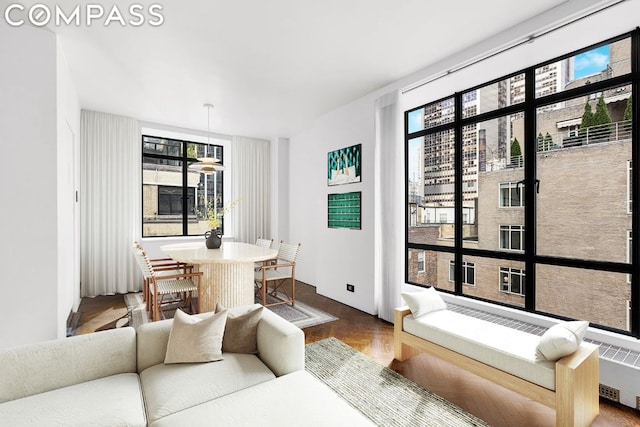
(118, 378)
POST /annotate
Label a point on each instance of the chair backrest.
(288, 252)
(143, 262)
(265, 243)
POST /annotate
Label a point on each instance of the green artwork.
(343, 166)
(344, 210)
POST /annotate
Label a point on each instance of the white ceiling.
(269, 66)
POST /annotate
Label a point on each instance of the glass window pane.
(416, 120)
(505, 196)
(596, 296)
(601, 63)
(582, 204)
(493, 159)
(495, 280)
(494, 96)
(161, 146)
(431, 188)
(162, 197)
(470, 276)
(436, 269)
(439, 113)
(207, 192)
(516, 244)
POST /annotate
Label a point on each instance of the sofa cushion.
(241, 330)
(66, 362)
(499, 346)
(561, 340)
(111, 401)
(171, 388)
(424, 302)
(194, 340)
(294, 399)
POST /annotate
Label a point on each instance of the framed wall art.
(344, 165)
(344, 210)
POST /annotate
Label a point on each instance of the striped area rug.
(386, 397)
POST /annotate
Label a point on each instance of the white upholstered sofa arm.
(41, 367)
(280, 344)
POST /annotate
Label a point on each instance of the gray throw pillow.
(241, 331)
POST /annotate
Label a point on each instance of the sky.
(591, 62)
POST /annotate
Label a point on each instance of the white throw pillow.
(424, 302)
(195, 340)
(561, 340)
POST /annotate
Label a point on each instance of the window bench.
(506, 357)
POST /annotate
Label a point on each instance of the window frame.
(511, 272)
(185, 161)
(528, 255)
(467, 266)
(513, 186)
(510, 230)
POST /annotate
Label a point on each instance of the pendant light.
(207, 165)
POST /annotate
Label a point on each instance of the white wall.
(330, 258)
(28, 244)
(68, 134)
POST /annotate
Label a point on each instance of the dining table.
(228, 272)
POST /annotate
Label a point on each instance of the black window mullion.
(407, 208)
(185, 193)
(458, 198)
(530, 148)
(635, 185)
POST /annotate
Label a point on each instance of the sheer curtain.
(110, 203)
(251, 183)
(388, 206)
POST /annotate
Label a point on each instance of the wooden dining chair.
(161, 266)
(263, 243)
(274, 277)
(180, 286)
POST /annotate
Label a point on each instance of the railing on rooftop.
(592, 135)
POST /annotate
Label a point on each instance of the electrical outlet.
(350, 288)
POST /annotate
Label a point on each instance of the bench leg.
(401, 351)
(577, 400)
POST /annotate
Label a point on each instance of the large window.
(174, 198)
(549, 150)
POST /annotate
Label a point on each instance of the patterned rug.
(384, 396)
(301, 315)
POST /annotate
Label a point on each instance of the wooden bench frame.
(575, 399)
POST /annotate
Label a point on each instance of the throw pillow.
(195, 340)
(241, 331)
(424, 302)
(561, 340)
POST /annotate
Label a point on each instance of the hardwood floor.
(374, 337)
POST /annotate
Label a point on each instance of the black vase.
(213, 239)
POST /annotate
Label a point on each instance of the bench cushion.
(503, 348)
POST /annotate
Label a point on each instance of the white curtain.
(251, 184)
(110, 203)
(388, 206)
